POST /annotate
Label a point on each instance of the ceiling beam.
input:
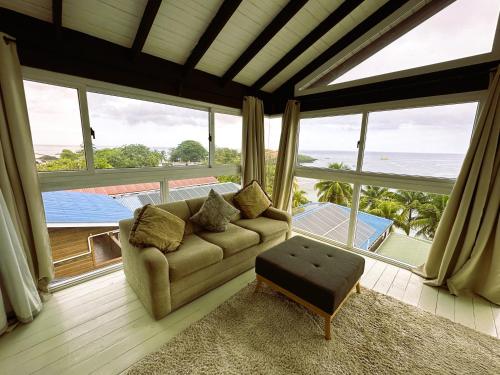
(57, 16)
(421, 15)
(326, 25)
(148, 17)
(378, 16)
(264, 37)
(223, 15)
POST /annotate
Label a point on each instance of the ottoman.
(316, 275)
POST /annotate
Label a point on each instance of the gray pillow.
(215, 213)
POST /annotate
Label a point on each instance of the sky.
(465, 27)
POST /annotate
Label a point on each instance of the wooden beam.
(148, 17)
(57, 16)
(223, 15)
(326, 25)
(86, 56)
(378, 16)
(421, 15)
(265, 36)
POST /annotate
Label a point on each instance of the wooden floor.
(100, 326)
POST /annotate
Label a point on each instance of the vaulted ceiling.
(256, 43)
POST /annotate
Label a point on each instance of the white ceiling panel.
(116, 21)
(294, 31)
(342, 28)
(178, 27)
(249, 20)
(41, 9)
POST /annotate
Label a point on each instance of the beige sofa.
(204, 260)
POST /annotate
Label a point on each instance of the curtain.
(18, 176)
(283, 178)
(253, 152)
(17, 285)
(465, 253)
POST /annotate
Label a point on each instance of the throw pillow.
(252, 200)
(156, 227)
(215, 213)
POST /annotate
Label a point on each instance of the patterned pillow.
(156, 227)
(252, 200)
(215, 213)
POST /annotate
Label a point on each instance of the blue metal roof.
(332, 221)
(70, 207)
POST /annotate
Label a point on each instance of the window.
(56, 129)
(228, 133)
(398, 224)
(272, 134)
(425, 141)
(471, 25)
(329, 142)
(179, 190)
(131, 133)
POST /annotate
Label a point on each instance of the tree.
(299, 197)
(429, 215)
(189, 152)
(371, 196)
(334, 191)
(410, 202)
(226, 155)
(390, 210)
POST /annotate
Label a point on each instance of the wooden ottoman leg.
(328, 320)
(257, 286)
(358, 287)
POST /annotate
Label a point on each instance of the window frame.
(438, 185)
(92, 177)
(306, 85)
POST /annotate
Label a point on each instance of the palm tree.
(334, 191)
(371, 196)
(299, 197)
(429, 215)
(410, 201)
(390, 210)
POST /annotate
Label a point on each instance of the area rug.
(265, 333)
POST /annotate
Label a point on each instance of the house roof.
(67, 208)
(332, 221)
(260, 44)
(134, 188)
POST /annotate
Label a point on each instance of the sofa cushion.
(215, 213)
(179, 209)
(233, 240)
(192, 255)
(252, 200)
(267, 228)
(156, 227)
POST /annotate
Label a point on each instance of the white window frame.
(358, 177)
(91, 177)
(302, 88)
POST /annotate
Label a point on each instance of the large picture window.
(132, 133)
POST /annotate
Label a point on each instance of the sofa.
(203, 261)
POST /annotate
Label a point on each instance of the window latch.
(357, 145)
(92, 133)
(210, 138)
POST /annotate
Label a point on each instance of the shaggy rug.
(265, 333)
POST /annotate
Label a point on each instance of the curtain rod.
(9, 39)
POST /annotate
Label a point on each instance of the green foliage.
(299, 197)
(189, 152)
(334, 191)
(227, 156)
(429, 215)
(301, 159)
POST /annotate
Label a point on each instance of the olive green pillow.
(252, 200)
(215, 213)
(158, 228)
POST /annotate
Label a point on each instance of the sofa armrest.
(146, 270)
(276, 214)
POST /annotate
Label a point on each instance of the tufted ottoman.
(318, 276)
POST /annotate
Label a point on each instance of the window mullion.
(361, 143)
(86, 130)
(211, 138)
(164, 191)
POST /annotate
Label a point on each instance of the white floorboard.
(100, 327)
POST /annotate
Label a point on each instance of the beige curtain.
(287, 155)
(465, 253)
(253, 152)
(18, 177)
